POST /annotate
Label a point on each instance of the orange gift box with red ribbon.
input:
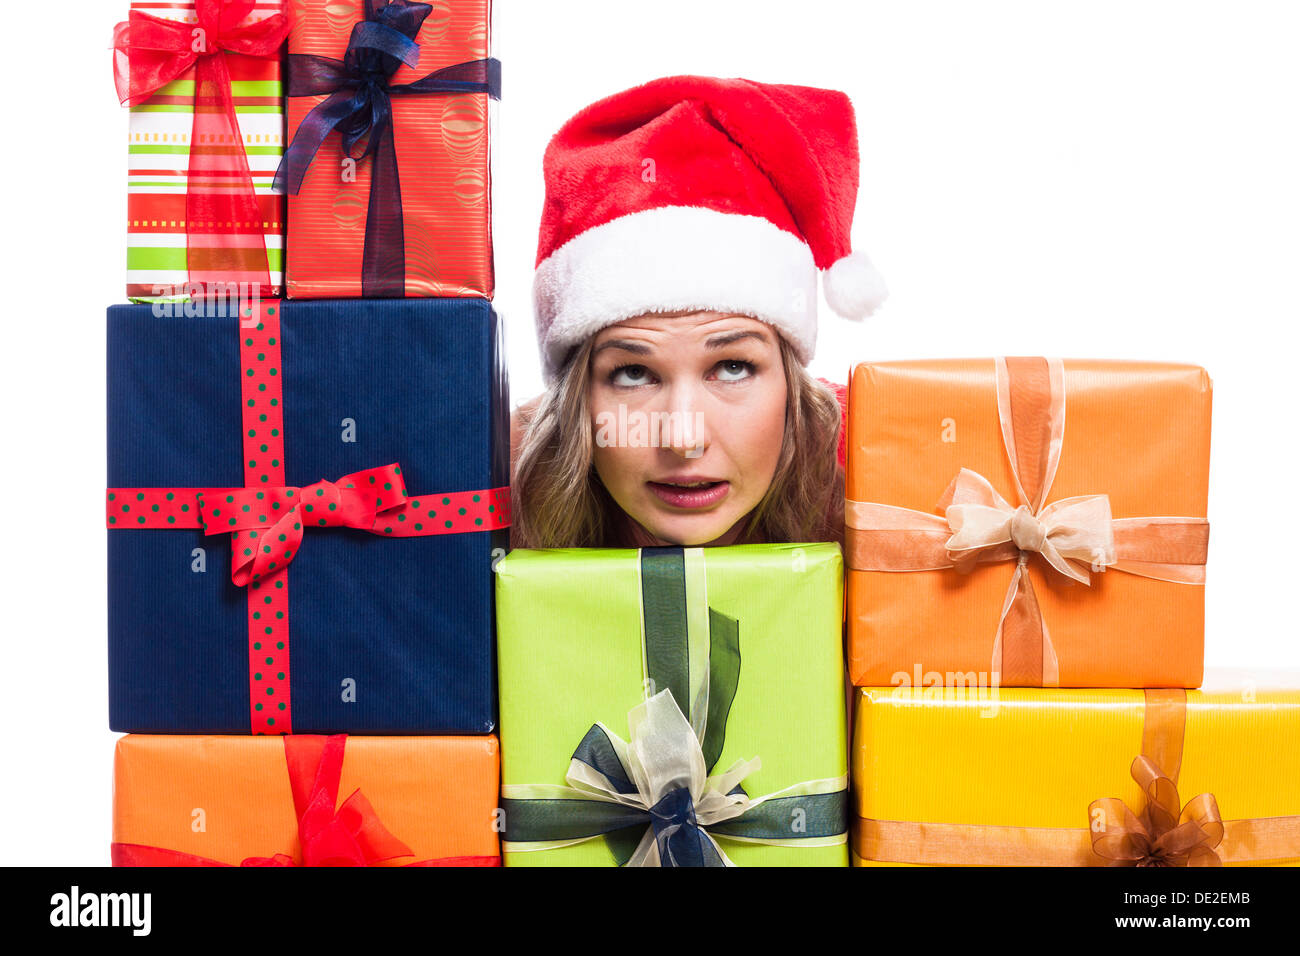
(305, 800)
(1027, 522)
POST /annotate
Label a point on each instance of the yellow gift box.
(1056, 777)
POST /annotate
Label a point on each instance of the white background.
(1103, 179)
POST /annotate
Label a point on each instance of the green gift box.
(629, 676)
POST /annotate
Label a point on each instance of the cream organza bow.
(1073, 534)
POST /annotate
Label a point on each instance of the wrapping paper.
(944, 770)
(1136, 432)
(158, 151)
(228, 799)
(574, 663)
(386, 635)
(442, 145)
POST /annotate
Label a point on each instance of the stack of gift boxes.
(1026, 543)
(307, 437)
(312, 614)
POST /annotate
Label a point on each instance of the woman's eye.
(629, 376)
(734, 371)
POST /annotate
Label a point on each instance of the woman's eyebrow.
(627, 345)
(726, 338)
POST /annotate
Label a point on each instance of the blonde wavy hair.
(559, 500)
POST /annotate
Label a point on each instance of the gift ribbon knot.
(1072, 534)
(673, 818)
(152, 51)
(358, 103)
(1027, 532)
(266, 525)
(659, 780)
(352, 834)
(1165, 834)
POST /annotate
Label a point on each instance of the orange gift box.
(442, 159)
(1027, 522)
(305, 800)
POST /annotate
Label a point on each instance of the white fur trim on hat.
(671, 259)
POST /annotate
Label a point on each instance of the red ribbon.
(264, 513)
(350, 835)
(271, 536)
(224, 230)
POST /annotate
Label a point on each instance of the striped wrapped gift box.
(160, 128)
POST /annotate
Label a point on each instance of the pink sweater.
(842, 393)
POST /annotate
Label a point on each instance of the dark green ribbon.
(667, 648)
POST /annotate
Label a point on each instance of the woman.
(684, 227)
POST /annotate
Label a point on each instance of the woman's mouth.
(695, 494)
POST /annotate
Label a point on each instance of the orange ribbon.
(1166, 834)
(1072, 535)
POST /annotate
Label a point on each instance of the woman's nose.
(685, 429)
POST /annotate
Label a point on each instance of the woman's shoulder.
(842, 395)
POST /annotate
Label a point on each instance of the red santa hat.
(698, 193)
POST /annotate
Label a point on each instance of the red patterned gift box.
(387, 172)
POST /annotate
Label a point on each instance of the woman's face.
(688, 415)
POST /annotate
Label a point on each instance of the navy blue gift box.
(389, 635)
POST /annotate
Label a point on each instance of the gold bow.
(1072, 534)
(1166, 834)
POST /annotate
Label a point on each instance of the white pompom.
(853, 287)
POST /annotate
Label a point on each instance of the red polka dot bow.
(266, 524)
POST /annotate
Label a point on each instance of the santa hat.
(698, 193)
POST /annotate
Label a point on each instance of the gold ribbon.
(1073, 535)
(1164, 834)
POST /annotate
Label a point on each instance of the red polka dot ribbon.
(454, 512)
(266, 519)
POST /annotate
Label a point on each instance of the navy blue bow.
(680, 840)
(359, 106)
